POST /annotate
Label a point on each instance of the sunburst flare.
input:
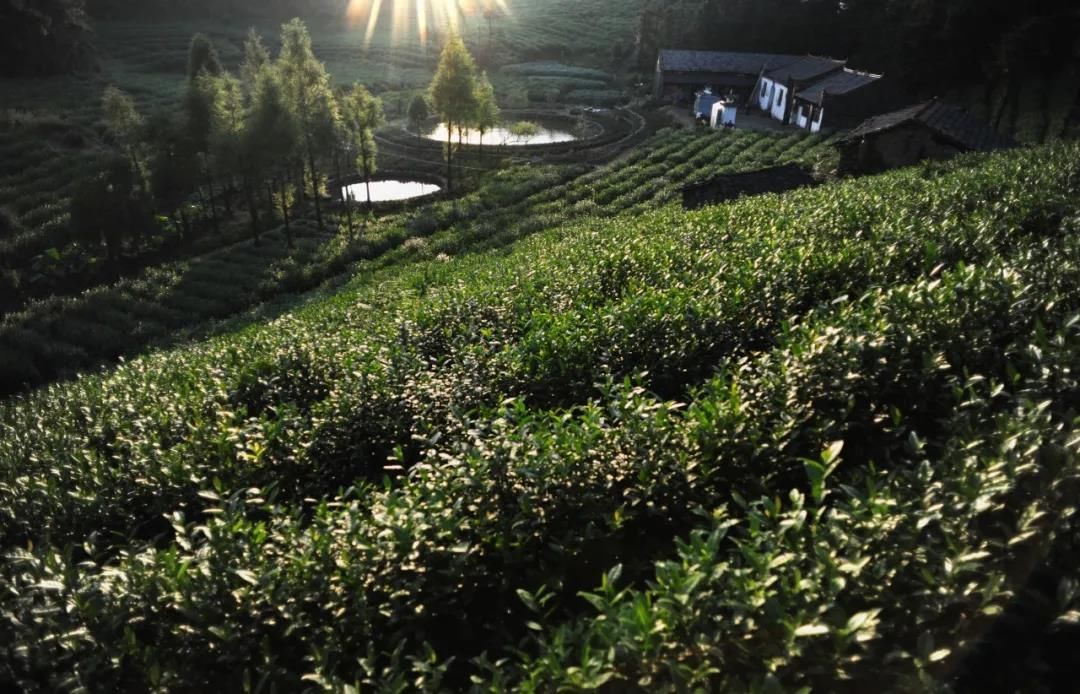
(415, 19)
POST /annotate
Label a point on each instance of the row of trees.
(267, 133)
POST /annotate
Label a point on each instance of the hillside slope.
(824, 439)
(58, 337)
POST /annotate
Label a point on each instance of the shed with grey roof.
(836, 84)
(723, 71)
(932, 130)
(805, 69)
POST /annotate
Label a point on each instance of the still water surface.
(502, 136)
(390, 190)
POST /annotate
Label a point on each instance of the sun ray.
(451, 12)
(401, 21)
(430, 15)
(373, 21)
(421, 21)
(356, 11)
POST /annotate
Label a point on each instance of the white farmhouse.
(848, 95)
(793, 90)
(776, 88)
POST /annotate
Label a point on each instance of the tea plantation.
(53, 131)
(819, 441)
(60, 336)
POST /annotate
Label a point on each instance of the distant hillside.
(53, 338)
(115, 9)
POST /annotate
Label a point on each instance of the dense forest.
(928, 41)
(41, 37)
(1002, 56)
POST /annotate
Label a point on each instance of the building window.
(764, 89)
(779, 96)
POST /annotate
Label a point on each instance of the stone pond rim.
(620, 126)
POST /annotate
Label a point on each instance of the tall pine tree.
(306, 87)
(453, 94)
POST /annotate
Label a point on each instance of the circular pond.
(507, 135)
(390, 190)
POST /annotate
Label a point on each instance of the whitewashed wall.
(779, 102)
(765, 93)
(801, 119)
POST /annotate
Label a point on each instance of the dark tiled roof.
(841, 82)
(963, 128)
(806, 68)
(716, 61)
(952, 123)
(886, 121)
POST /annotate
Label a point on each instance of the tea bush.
(514, 203)
(821, 439)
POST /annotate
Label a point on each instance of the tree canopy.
(487, 108)
(361, 114)
(122, 121)
(271, 133)
(271, 140)
(308, 95)
(256, 56)
(111, 206)
(453, 93)
(202, 57)
(419, 111)
(453, 89)
(44, 37)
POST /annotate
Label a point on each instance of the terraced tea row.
(188, 527)
(60, 336)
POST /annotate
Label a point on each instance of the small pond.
(502, 136)
(390, 190)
